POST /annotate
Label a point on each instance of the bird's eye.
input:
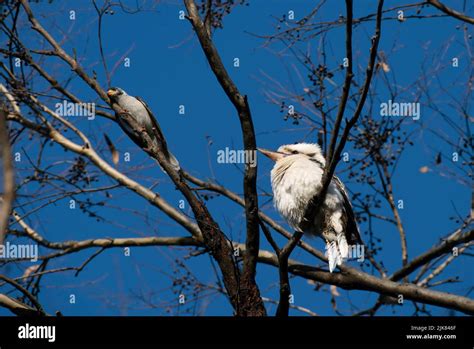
(294, 152)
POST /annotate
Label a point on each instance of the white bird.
(296, 178)
(139, 110)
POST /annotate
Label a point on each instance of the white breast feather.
(294, 187)
(295, 181)
(135, 108)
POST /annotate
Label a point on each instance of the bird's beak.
(275, 156)
(111, 93)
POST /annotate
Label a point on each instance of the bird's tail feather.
(343, 246)
(332, 254)
(336, 252)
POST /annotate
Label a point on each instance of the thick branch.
(214, 239)
(8, 175)
(450, 11)
(353, 279)
(241, 105)
(17, 307)
(285, 288)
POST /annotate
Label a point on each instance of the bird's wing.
(125, 126)
(351, 229)
(156, 132)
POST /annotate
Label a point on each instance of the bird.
(296, 178)
(142, 114)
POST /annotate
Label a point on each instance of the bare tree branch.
(17, 307)
(446, 246)
(25, 292)
(449, 11)
(285, 288)
(8, 195)
(347, 82)
(241, 104)
(315, 204)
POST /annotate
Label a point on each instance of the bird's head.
(292, 152)
(115, 92)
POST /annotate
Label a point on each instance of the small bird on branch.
(136, 108)
(296, 180)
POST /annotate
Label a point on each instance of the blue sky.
(168, 69)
